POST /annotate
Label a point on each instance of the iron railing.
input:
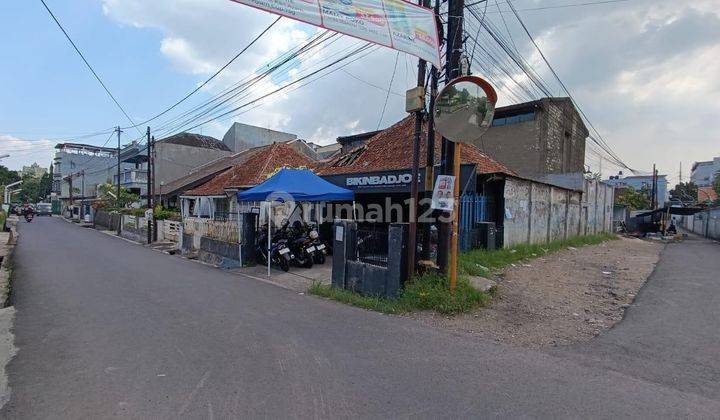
(372, 245)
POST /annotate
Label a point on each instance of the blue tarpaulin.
(300, 185)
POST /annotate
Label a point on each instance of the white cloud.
(23, 151)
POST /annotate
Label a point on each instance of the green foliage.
(34, 190)
(685, 191)
(634, 200)
(432, 292)
(716, 183)
(7, 176)
(3, 216)
(480, 262)
(108, 192)
(161, 213)
(428, 292)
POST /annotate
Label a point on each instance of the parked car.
(43, 209)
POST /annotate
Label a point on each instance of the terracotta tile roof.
(254, 170)
(391, 149)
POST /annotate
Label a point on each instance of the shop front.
(383, 197)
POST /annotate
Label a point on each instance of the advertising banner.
(395, 24)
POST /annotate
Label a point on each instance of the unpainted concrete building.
(241, 137)
(542, 140)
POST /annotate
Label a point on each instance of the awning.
(300, 185)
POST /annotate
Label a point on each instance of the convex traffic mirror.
(464, 109)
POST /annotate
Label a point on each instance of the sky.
(646, 72)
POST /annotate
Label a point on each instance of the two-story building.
(79, 168)
(703, 173)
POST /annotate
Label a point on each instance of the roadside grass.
(427, 292)
(432, 292)
(480, 262)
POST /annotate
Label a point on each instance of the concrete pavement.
(109, 329)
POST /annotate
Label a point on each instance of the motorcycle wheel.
(284, 265)
(308, 262)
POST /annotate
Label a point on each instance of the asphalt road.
(106, 328)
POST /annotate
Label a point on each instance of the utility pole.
(447, 238)
(412, 226)
(119, 231)
(152, 185)
(430, 144)
(654, 189)
(118, 130)
(680, 174)
(148, 174)
(82, 195)
(70, 177)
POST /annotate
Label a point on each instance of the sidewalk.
(297, 279)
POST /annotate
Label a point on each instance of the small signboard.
(443, 194)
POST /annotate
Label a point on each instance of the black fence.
(372, 245)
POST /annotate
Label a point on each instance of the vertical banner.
(396, 24)
(443, 197)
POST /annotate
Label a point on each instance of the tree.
(716, 183)
(632, 199)
(685, 191)
(108, 191)
(7, 176)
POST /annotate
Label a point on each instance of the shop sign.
(397, 24)
(378, 180)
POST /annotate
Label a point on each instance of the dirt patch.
(566, 297)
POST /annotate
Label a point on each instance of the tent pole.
(354, 212)
(269, 236)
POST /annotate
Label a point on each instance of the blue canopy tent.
(300, 185)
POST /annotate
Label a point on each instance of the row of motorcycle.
(298, 244)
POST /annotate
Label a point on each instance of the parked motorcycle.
(300, 245)
(280, 253)
(320, 249)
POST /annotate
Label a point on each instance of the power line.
(254, 40)
(370, 84)
(357, 51)
(241, 87)
(601, 142)
(392, 78)
(87, 63)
